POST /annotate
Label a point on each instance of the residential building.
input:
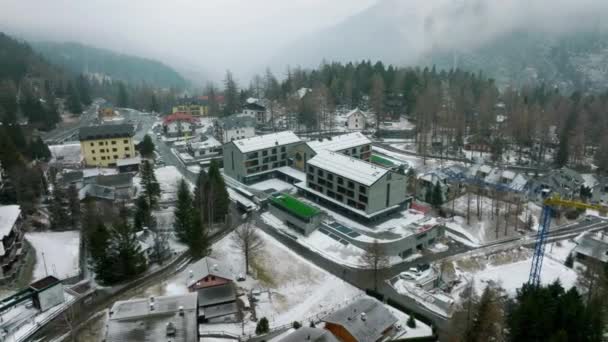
(207, 148)
(208, 272)
(234, 127)
(121, 184)
(128, 164)
(256, 158)
(197, 106)
(360, 189)
(11, 249)
(105, 144)
(351, 144)
(296, 214)
(591, 248)
(166, 318)
(179, 124)
(356, 120)
(565, 183)
(256, 111)
(310, 334)
(364, 320)
(66, 155)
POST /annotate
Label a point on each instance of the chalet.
(11, 246)
(208, 272)
(257, 111)
(234, 127)
(356, 120)
(365, 320)
(166, 318)
(207, 148)
(564, 182)
(179, 124)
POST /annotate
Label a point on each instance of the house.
(128, 164)
(362, 190)
(256, 158)
(364, 320)
(356, 120)
(310, 334)
(356, 145)
(208, 272)
(66, 155)
(179, 124)
(121, 184)
(565, 183)
(234, 127)
(207, 148)
(48, 292)
(103, 145)
(591, 248)
(256, 111)
(429, 180)
(11, 248)
(217, 304)
(166, 318)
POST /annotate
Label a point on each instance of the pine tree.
(220, 202)
(58, 213)
(198, 235)
(73, 205)
(38, 150)
(149, 184)
(146, 147)
(122, 97)
(129, 260)
(262, 327)
(73, 101)
(231, 94)
(428, 195)
(142, 215)
(411, 322)
(82, 85)
(437, 198)
(183, 212)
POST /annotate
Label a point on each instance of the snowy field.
(168, 177)
(414, 161)
(273, 184)
(60, 249)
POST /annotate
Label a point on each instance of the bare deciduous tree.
(375, 258)
(248, 241)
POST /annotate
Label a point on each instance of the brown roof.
(43, 283)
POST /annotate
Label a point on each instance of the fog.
(209, 36)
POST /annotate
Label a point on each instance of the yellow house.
(192, 109)
(103, 145)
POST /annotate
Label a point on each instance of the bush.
(262, 327)
(312, 324)
(411, 322)
(296, 325)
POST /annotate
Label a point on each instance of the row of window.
(361, 205)
(329, 177)
(108, 157)
(274, 151)
(113, 142)
(266, 167)
(114, 149)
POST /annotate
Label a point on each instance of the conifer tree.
(73, 101)
(150, 184)
(183, 212)
(146, 148)
(122, 97)
(58, 213)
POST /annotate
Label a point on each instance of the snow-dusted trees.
(247, 240)
(375, 259)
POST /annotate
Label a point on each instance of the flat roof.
(354, 169)
(339, 142)
(294, 206)
(216, 295)
(8, 217)
(262, 142)
(106, 132)
(376, 159)
(140, 307)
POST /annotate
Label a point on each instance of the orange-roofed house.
(179, 124)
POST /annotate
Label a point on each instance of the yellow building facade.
(103, 145)
(192, 109)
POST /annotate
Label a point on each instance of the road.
(69, 132)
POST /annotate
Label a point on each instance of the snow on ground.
(512, 276)
(274, 184)
(420, 330)
(560, 250)
(60, 249)
(66, 153)
(403, 124)
(320, 243)
(590, 180)
(168, 177)
(414, 161)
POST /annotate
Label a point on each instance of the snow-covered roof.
(339, 142)
(592, 247)
(208, 266)
(211, 142)
(66, 153)
(8, 217)
(261, 142)
(352, 168)
(366, 319)
(128, 161)
(310, 334)
(356, 110)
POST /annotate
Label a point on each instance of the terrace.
(295, 207)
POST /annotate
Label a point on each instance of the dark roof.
(208, 266)
(365, 319)
(44, 283)
(254, 106)
(218, 310)
(117, 180)
(216, 295)
(106, 132)
(310, 334)
(97, 191)
(71, 176)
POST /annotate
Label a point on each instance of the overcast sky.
(200, 33)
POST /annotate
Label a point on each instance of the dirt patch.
(262, 271)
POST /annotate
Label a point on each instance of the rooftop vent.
(171, 329)
(215, 267)
(151, 299)
(191, 274)
(151, 306)
(363, 317)
(276, 143)
(181, 310)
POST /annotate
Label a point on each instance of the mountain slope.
(85, 59)
(515, 41)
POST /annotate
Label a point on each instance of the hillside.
(134, 70)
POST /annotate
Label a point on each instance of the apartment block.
(104, 145)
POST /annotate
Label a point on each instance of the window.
(310, 169)
(92, 144)
(283, 149)
(115, 157)
(351, 185)
(350, 193)
(264, 153)
(331, 194)
(341, 190)
(127, 155)
(100, 143)
(114, 149)
(92, 151)
(94, 159)
(113, 142)
(362, 189)
(351, 203)
(103, 158)
(354, 150)
(340, 180)
(339, 198)
(125, 141)
(320, 172)
(330, 177)
(362, 199)
(274, 151)
(101, 150)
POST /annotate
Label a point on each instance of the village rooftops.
(310, 334)
(8, 217)
(339, 142)
(237, 121)
(592, 247)
(179, 116)
(216, 295)
(354, 169)
(262, 142)
(365, 319)
(154, 319)
(210, 142)
(354, 111)
(208, 266)
(106, 132)
(254, 106)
